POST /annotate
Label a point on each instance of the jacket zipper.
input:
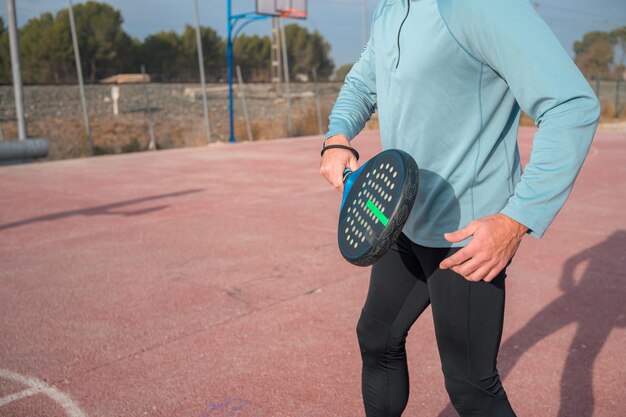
(408, 10)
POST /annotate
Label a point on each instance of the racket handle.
(346, 174)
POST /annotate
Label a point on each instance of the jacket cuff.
(340, 128)
(535, 228)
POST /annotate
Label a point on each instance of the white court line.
(14, 397)
(38, 386)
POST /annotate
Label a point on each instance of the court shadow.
(105, 209)
(441, 198)
(595, 304)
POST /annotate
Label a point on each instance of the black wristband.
(356, 154)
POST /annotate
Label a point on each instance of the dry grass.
(372, 124)
(304, 123)
(111, 134)
(262, 129)
(129, 132)
(610, 113)
(526, 120)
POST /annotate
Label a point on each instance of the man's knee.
(377, 340)
(372, 335)
(478, 396)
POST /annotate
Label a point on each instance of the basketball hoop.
(286, 9)
(293, 14)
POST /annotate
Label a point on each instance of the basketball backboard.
(267, 7)
(291, 9)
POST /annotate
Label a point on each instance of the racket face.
(377, 206)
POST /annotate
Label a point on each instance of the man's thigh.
(468, 318)
(398, 291)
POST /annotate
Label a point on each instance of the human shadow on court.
(105, 209)
(595, 304)
(434, 195)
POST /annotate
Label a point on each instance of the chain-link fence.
(612, 95)
(54, 112)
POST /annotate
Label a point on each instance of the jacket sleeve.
(511, 38)
(357, 98)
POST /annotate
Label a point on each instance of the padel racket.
(377, 200)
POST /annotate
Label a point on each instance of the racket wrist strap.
(351, 149)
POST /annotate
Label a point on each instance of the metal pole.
(152, 143)
(245, 105)
(617, 103)
(15, 68)
(275, 57)
(79, 71)
(231, 21)
(205, 105)
(364, 22)
(286, 71)
(317, 103)
(229, 60)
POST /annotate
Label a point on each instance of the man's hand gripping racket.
(377, 199)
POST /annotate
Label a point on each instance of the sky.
(339, 21)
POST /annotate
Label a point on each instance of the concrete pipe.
(23, 149)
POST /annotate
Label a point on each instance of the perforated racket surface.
(377, 200)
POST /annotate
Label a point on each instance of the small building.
(126, 79)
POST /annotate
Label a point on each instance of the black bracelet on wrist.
(356, 154)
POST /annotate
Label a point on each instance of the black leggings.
(468, 325)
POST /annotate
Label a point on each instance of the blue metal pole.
(230, 26)
(229, 59)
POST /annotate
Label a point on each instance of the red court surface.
(207, 282)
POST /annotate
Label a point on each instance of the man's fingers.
(354, 165)
(333, 164)
(339, 185)
(462, 234)
(479, 274)
(494, 272)
(467, 268)
(338, 177)
(331, 174)
(457, 259)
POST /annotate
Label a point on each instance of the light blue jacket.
(448, 78)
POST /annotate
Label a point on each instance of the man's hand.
(335, 160)
(495, 241)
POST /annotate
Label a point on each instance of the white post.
(245, 105)
(79, 71)
(17, 75)
(205, 106)
(286, 71)
(317, 103)
(115, 96)
(152, 143)
(276, 70)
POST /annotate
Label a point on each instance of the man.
(449, 78)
